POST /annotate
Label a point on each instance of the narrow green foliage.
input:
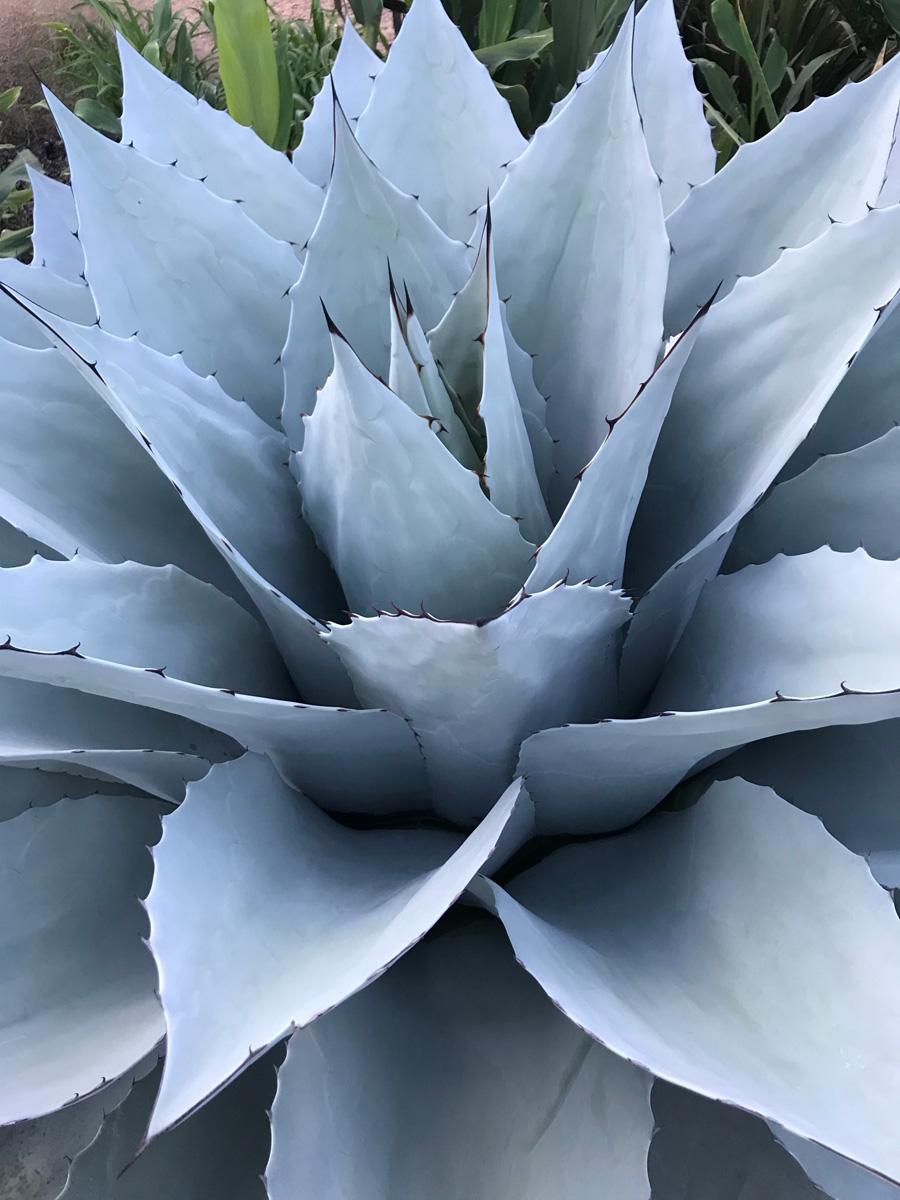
(248, 65)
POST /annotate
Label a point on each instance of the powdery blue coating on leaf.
(846, 775)
(55, 236)
(735, 949)
(597, 778)
(776, 348)
(509, 469)
(843, 1180)
(219, 1152)
(703, 1150)
(802, 626)
(590, 537)
(185, 271)
(77, 985)
(841, 500)
(367, 229)
(351, 79)
(308, 912)
(454, 1076)
(72, 477)
(345, 759)
(401, 520)
(41, 286)
(165, 123)
(162, 773)
(826, 163)
(435, 124)
(149, 617)
(585, 296)
(472, 692)
(229, 469)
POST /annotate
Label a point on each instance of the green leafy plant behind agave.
(591, 803)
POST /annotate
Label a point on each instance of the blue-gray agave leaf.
(319, 486)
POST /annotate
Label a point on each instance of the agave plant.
(445, 552)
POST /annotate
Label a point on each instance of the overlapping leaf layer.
(449, 595)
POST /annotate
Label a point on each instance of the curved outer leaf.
(844, 1180)
(596, 778)
(55, 236)
(312, 912)
(352, 76)
(71, 477)
(586, 289)
(149, 617)
(804, 626)
(165, 123)
(735, 949)
(345, 759)
(823, 164)
(435, 125)
(228, 467)
(401, 520)
(866, 403)
(508, 464)
(184, 270)
(703, 1150)
(456, 1047)
(676, 129)
(221, 1151)
(590, 537)
(162, 773)
(367, 229)
(842, 500)
(776, 348)
(821, 771)
(472, 692)
(70, 300)
(77, 985)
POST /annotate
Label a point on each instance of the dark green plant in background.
(758, 60)
(15, 192)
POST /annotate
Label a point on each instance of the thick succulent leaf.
(345, 759)
(842, 500)
(165, 123)
(534, 407)
(307, 913)
(40, 285)
(401, 520)
(866, 403)
(415, 378)
(846, 776)
(496, 1094)
(155, 618)
(435, 124)
(590, 537)
(735, 949)
(352, 75)
(228, 467)
(776, 348)
(803, 626)
(55, 236)
(219, 1152)
(596, 778)
(839, 1177)
(472, 692)
(676, 129)
(703, 1150)
(162, 773)
(184, 270)
(72, 478)
(77, 984)
(367, 229)
(508, 464)
(35, 1156)
(823, 164)
(586, 286)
